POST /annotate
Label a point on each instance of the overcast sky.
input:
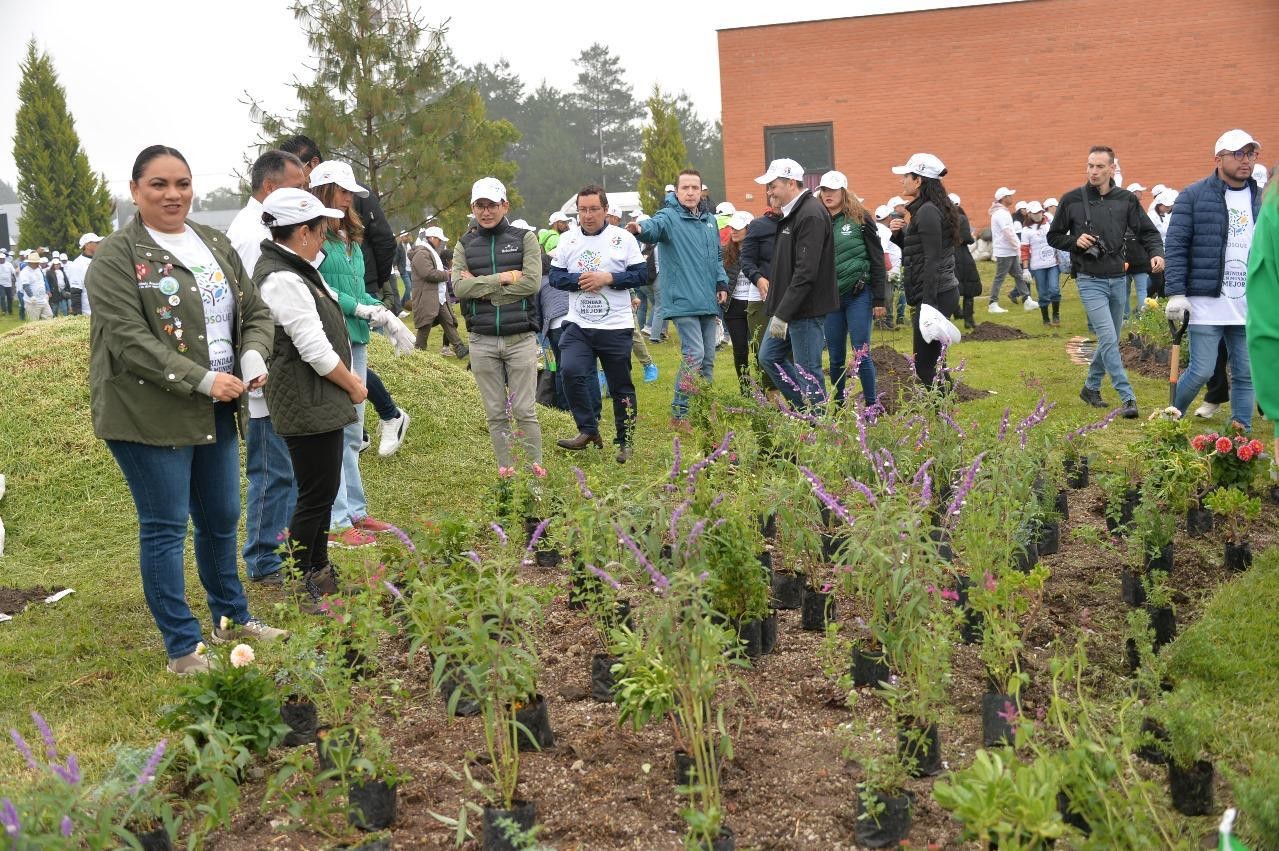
(142, 72)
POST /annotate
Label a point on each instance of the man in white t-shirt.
(1207, 270)
(597, 264)
(272, 490)
(76, 271)
(1005, 247)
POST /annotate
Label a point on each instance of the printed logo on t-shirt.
(1234, 279)
(1239, 221)
(219, 307)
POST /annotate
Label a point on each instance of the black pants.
(6, 300)
(926, 353)
(740, 335)
(579, 348)
(1218, 392)
(381, 397)
(317, 467)
(75, 303)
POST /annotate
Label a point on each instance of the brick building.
(1006, 94)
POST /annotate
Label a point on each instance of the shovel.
(1174, 367)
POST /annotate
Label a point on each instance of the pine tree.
(664, 152)
(384, 99)
(61, 197)
(608, 117)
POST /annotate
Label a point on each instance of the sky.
(143, 72)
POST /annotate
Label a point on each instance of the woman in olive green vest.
(312, 393)
(177, 335)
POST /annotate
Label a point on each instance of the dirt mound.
(893, 373)
(1144, 360)
(993, 332)
(14, 600)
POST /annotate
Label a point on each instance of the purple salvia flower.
(676, 515)
(826, 497)
(659, 579)
(404, 538)
(1003, 425)
(865, 491)
(698, 528)
(537, 534)
(923, 438)
(9, 818)
(961, 493)
(581, 483)
(24, 749)
(950, 421)
(500, 532)
(719, 452)
(1097, 426)
(472, 555)
(50, 747)
(66, 827)
(395, 592)
(719, 497)
(605, 576)
(675, 466)
(70, 773)
(926, 492)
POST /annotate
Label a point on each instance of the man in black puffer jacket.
(803, 289)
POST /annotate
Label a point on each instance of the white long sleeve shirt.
(293, 309)
(32, 286)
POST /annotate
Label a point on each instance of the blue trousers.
(272, 496)
(795, 363)
(851, 322)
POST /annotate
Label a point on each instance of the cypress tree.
(664, 152)
(61, 196)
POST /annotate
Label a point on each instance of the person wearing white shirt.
(272, 490)
(8, 278)
(596, 264)
(1043, 263)
(76, 271)
(1005, 248)
(313, 391)
(32, 290)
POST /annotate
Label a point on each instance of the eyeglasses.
(590, 211)
(484, 207)
(1243, 156)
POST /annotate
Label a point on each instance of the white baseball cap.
(1051, 202)
(740, 219)
(924, 165)
(883, 211)
(337, 172)
(615, 211)
(434, 231)
(520, 223)
(1166, 198)
(1234, 140)
(1003, 192)
(895, 200)
(705, 187)
(292, 206)
(723, 208)
(1136, 187)
(557, 216)
(488, 188)
(1034, 207)
(1020, 205)
(1157, 189)
(954, 199)
(786, 168)
(670, 187)
(642, 217)
(833, 180)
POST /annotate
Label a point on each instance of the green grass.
(93, 663)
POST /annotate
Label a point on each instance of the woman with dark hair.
(862, 279)
(965, 267)
(745, 314)
(177, 336)
(312, 393)
(334, 184)
(928, 253)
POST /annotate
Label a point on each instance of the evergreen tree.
(386, 99)
(61, 197)
(664, 152)
(608, 117)
(704, 140)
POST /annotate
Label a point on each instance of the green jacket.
(690, 257)
(345, 274)
(1262, 296)
(852, 264)
(148, 356)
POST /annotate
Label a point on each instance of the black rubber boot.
(1043, 311)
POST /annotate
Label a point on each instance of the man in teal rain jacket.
(694, 283)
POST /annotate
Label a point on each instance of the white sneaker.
(1029, 304)
(1207, 410)
(994, 307)
(393, 433)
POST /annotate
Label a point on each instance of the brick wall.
(1007, 94)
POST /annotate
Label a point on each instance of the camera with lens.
(1099, 248)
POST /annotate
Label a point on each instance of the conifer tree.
(664, 152)
(607, 117)
(61, 196)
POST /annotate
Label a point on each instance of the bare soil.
(14, 600)
(893, 371)
(993, 332)
(788, 787)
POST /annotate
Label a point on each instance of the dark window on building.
(811, 145)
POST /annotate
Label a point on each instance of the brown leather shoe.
(581, 441)
(624, 453)
(325, 580)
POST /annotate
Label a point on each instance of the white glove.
(1026, 277)
(367, 311)
(777, 328)
(402, 339)
(1178, 308)
(378, 316)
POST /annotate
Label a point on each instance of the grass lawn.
(93, 664)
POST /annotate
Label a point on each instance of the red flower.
(1223, 444)
(1199, 442)
(1245, 453)
(1256, 446)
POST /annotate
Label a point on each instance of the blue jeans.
(697, 353)
(1104, 300)
(272, 495)
(170, 484)
(795, 363)
(645, 296)
(851, 322)
(1204, 340)
(1047, 284)
(1141, 281)
(350, 504)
